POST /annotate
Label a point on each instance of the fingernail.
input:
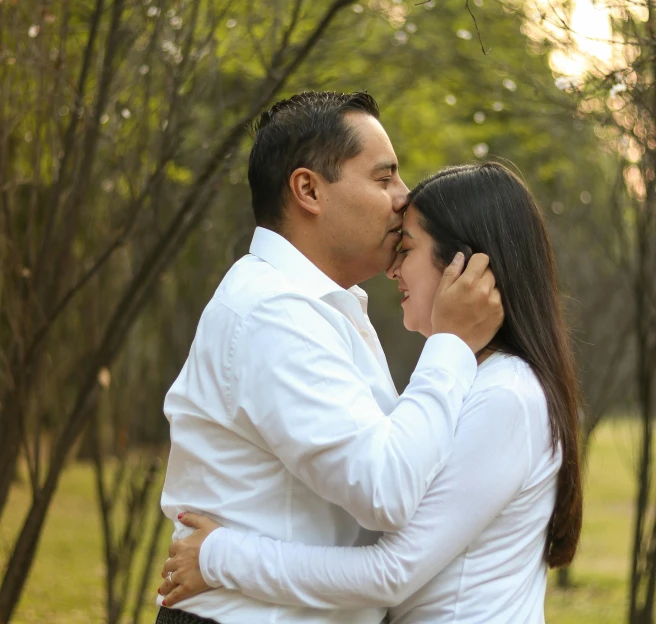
(181, 514)
(159, 591)
(163, 603)
(459, 256)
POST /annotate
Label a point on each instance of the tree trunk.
(10, 437)
(20, 561)
(564, 581)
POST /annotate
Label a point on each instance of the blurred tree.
(617, 88)
(123, 200)
(99, 189)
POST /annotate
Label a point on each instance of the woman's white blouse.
(472, 554)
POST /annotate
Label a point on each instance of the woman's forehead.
(410, 221)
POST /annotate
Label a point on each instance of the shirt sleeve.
(489, 464)
(294, 378)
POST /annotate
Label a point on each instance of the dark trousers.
(175, 616)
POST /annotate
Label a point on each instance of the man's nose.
(403, 197)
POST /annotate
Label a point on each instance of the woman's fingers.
(468, 304)
(167, 587)
(488, 279)
(453, 271)
(177, 594)
(169, 566)
(197, 522)
(181, 571)
(477, 266)
(180, 583)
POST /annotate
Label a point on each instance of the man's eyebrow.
(387, 165)
(406, 233)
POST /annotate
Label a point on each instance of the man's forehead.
(367, 124)
(375, 142)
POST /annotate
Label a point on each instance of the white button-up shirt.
(472, 554)
(279, 420)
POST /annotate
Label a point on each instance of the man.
(284, 419)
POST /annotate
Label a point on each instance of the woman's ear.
(304, 186)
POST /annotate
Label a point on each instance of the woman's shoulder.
(507, 392)
(508, 379)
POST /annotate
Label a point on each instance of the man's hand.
(182, 570)
(467, 303)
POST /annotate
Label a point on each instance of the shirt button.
(364, 334)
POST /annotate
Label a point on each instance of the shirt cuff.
(450, 353)
(212, 553)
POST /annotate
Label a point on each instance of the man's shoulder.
(252, 283)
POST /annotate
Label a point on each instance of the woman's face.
(418, 277)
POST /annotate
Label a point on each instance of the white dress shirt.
(279, 421)
(473, 553)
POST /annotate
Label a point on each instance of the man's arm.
(491, 460)
(294, 378)
(300, 388)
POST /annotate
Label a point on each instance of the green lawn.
(601, 569)
(66, 584)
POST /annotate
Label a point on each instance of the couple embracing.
(302, 486)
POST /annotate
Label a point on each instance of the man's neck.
(312, 250)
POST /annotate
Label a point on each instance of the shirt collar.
(282, 255)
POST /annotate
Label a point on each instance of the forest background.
(124, 200)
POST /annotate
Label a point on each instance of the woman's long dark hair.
(486, 208)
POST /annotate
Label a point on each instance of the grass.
(66, 582)
(601, 569)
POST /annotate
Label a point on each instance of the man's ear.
(304, 185)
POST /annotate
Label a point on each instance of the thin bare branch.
(67, 148)
(478, 32)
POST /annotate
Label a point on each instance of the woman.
(508, 504)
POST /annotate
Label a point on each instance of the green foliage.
(183, 74)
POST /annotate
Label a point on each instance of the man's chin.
(380, 262)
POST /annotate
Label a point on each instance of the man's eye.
(384, 179)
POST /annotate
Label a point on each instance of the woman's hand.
(467, 303)
(182, 570)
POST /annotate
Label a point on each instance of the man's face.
(363, 210)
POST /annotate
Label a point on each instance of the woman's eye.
(403, 250)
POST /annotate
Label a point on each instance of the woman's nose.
(393, 272)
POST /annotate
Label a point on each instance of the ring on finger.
(169, 576)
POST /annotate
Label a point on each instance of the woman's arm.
(489, 463)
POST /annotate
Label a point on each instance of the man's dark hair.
(307, 130)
